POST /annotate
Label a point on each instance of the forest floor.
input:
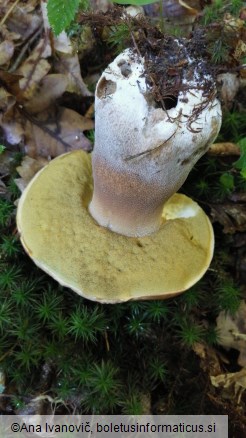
(58, 351)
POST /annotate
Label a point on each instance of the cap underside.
(62, 238)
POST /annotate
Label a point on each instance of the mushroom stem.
(125, 202)
(144, 153)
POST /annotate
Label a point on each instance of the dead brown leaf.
(33, 69)
(232, 384)
(231, 216)
(210, 359)
(6, 52)
(67, 61)
(7, 101)
(188, 8)
(9, 118)
(229, 83)
(50, 88)
(6, 163)
(24, 19)
(63, 44)
(240, 50)
(232, 331)
(55, 132)
(11, 82)
(8, 35)
(28, 168)
(13, 131)
(28, 111)
(238, 197)
(69, 66)
(52, 132)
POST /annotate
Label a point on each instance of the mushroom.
(115, 229)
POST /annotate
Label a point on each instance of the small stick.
(24, 49)
(224, 149)
(9, 12)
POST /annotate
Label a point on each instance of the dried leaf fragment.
(28, 168)
(54, 132)
(190, 10)
(209, 358)
(240, 50)
(23, 20)
(230, 84)
(231, 216)
(232, 331)
(7, 101)
(69, 65)
(68, 62)
(34, 68)
(6, 52)
(50, 88)
(233, 384)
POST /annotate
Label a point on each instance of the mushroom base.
(59, 234)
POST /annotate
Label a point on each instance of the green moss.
(103, 388)
(10, 246)
(13, 189)
(23, 294)
(48, 305)
(216, 10)
(189, 332)
(27, 356)
(229, 297)
(233, 126)
(211, 335)
(118, 37)
(157, 370)
(157, 311)
(9, 275)
(5, 316)
(86, 325)
(6, 210)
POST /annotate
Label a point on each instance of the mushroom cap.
(62, 238)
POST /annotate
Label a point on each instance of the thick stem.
(124, 202)
(143, 153)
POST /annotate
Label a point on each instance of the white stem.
(143, 154)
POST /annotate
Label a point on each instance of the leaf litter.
(36, 70)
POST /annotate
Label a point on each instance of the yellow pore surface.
(64, 240)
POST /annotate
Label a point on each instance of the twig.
(43, 127)
(9, 12)
(24, 49)
(224, 149)
(135, 44)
